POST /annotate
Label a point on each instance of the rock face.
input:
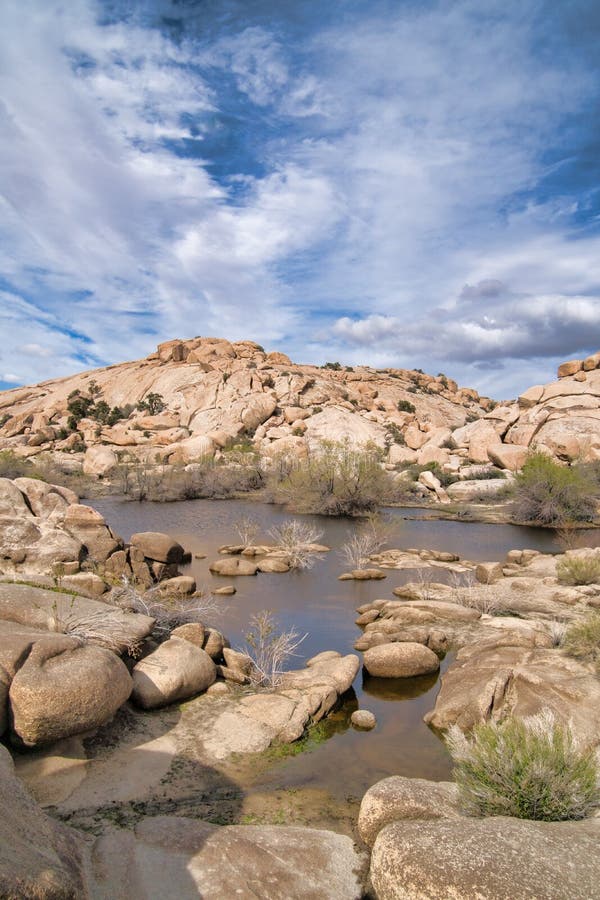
(495, 859)
(397, 798)
(498, 682)
(213, 391)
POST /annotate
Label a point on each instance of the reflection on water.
(315, 602)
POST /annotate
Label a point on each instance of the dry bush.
(485, 598)
(247, 529)
(582, 640)
(579, 570)
(527, 768)
(369, 538)
(295, 539)
(269, 649)
(168, 610)
(103, 629)
(557, 631)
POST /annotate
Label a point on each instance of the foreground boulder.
(175, 857)
(397, 798)
(176, 670)
(65, 688)
(493, 859)
(39, 857)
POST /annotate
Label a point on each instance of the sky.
(385, 182)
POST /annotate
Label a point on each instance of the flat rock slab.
(176, 857)
(487, 859)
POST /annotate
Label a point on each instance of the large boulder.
(400, 660)
(501, 681)
(99, 460)
(39, 857)
(398, 798)
(47, 610)
(496, 859)
(158, 546)
(176, 670)
(65, 688)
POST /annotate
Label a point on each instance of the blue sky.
(395, 183)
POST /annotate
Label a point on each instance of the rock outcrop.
(211, 392)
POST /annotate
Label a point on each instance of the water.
(316, 603)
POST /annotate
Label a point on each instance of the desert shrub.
(369, 538)
(582, 640)
(269, 649)
(394, 435)
(406, 406)
(527, 768)
(546, 493)
(247, 529)
(485, 474)
(12, 466)
(295, 539)
(335, 480)
(169, 610)
(579, 570)
(152, 403)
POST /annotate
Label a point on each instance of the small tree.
(153, 404)
(546, 493)
(527, 768)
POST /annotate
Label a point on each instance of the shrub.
(368, 539)
(582, 640)
(153, 404)
(295, 539)
(579, 570)
(269, 649)
(406, 406)
(12, 466)
(336, 480)
(526, 768)
(336, 366)
(546, 493)
(394, 435)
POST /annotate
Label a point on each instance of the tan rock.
(570, 368)
(404, 660)
(489, 572)
(64, 688)
(158, 546)
(233, 566)
(99, 460)
(175, 671)
(400, 799)
(508, 456)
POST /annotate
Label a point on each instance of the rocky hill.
(193, 398)
(561, 418)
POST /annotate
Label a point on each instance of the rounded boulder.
(400, 660)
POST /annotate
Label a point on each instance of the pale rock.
(400, 799)
(508, 456)
(489, 572)
(496, 858)
(404, 660)
(176, 670)
(99, 460)
(158, 546)
(414, 437)
(398, 455)
(233, 567)
(363, 719)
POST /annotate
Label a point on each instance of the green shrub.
(582, 640)
(526, 768)
(579, 570)
(335, 480)
(12, 466)
(153, 404)
(546, 493)
(336, 366)
(406, 406)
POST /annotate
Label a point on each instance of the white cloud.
(413, 134)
